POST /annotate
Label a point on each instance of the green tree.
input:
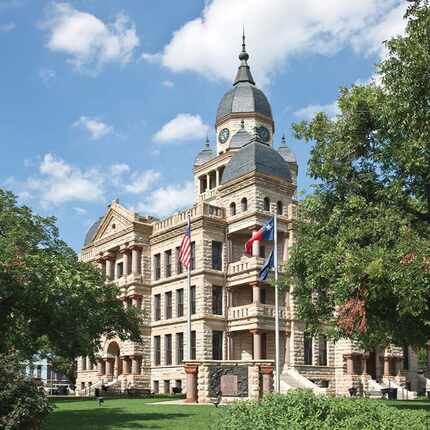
(50, 302)
(362, 258)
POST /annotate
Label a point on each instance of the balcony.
(255, 315)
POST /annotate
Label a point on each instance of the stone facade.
(232, 311)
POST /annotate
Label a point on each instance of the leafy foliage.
(50, 301)
(362, 258)
(302, 410)
(23, 406)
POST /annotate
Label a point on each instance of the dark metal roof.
(204, 155)
(241, 138)
(244, 97)
(92, 231)
(259, 157)
(286, 153)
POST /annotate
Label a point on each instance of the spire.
(283, 142)
(207, 145)
(244, 73)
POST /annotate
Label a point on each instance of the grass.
(128, 414)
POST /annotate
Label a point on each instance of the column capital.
(256, 331)
(109, 256)
(266, 369)
(134, 296)
(110, 359)
(191, 368)
(135, 246)
(124, 250)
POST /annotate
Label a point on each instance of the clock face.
(263, 133)
(223, 135)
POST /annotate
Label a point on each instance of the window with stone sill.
(157, 307)
(244, 204)
(308, 351)
(168, 263)
(266, 204)
(279, 208)
(156, 387)
(193, 345)
(157, 350)
(166, 386)
(168, 305)
(193, 299)
(217, 293)
(179, 348)
(217, 340)
(179, 267)
(216, 255)
(180, 302)
(168, 349)
(232, 209)
(157, 266)
(322, 350)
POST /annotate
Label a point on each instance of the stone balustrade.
(256, 310)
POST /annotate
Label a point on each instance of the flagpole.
(189, 298)
(275, 263)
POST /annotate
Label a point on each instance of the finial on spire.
(283, 142)
(243, 74)
(242, 124)
(207, 140)
(243, 56)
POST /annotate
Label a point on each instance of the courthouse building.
(238, 185)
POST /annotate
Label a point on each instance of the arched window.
(267, 204)
(279, 208)
(244, 204)
(232, 209)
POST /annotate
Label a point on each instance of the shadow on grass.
(415, 405)
(109, 418)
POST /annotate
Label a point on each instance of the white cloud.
(80, 211)
(88, 42)
(97, 129)
(119, 169)
(183, 127)
(167, 83)
(6, 28)
(308, 112)
(60, 182)
(142, 182)
(165, 200)
(281, 29)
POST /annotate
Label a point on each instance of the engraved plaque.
(229, 385)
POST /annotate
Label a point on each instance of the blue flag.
(268, 264)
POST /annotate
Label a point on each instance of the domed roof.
(204, 155)
(286, 153)
(244, 96)
(259, 157)
(240, 138)
(92, 231)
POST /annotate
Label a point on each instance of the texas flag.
(265, 233)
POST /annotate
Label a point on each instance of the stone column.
(135, 365)
(126, 365)
(365, 364)
(217, 177)
(125, 253)
(256, 336)
(117, 367)
(89, 363)
(135, 260)
(267, 372)
(287, 349)
(386, 366)
(349, 364)
(191, 372)
(255, 246)
(256, 294)
(110, 267)
(100, 367)
(109, 366)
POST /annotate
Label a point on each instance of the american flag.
(185, 250)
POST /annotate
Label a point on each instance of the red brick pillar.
(256, 336)
(191, 372)
(267, 372)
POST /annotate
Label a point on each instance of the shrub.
(23, 406)
(302, 410)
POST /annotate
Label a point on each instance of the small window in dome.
(244, 204)
(266, 204)
(232, 209)
(279, 208)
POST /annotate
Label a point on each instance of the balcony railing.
(256, 310)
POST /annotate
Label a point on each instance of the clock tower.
(243, 109)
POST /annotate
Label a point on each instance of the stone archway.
(113, 362)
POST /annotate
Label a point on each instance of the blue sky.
(104, 98)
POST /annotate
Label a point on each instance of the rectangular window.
(263, 295)
(157, 350)
(193, 299)
(262, 251)
(217, 345)
(168, 305)
(180, 302)
(178, 383)
(119, 270)
(322, 350)
(216, 255)
(405, 358)
(193, 345)
(193, 256)
(166, 386)
(168, 263)
(179, 267)
(307, 349)
(157, 307)
(156, 387)
(157, 266)
(168, 349)
(179, 348)
(217, 300)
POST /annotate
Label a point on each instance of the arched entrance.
(113, 362)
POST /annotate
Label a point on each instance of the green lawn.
(128, 414)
